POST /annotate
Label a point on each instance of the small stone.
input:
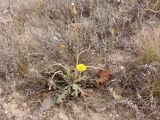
(24, 105)
(62, 116)
(117, 115)
(122, 67)
(114, 112)
(110, 115)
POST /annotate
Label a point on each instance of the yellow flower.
(81, 67)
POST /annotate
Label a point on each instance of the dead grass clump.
(155, 88)
(22, 64)
(25, 13)
(141, 87)
(149, 44)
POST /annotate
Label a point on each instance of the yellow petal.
(81, 67)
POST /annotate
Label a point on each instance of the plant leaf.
(59, 99)
(104, 77)
(75, 88)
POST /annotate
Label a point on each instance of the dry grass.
(150, 44)
(42, 26)
(155, 88)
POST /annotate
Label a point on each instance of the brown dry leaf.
(45, 94)
(104, 76)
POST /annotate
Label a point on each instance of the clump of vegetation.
(71, 80)
(69, 76)
(155, 88)
(22, 64)
(150, 46)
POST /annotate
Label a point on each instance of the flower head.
(73, 10)
(81, 67)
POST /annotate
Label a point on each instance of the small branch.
(94, 67)
(82, 53)
(154, 11)
(56, 73)
(150, 115)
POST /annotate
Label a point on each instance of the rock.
(24, 105)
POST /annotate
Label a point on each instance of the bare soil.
(33, 101)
